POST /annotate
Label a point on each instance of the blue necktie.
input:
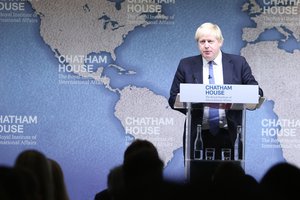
(213, 112)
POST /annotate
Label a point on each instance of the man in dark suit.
(226, 69)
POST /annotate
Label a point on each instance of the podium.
(228, 97)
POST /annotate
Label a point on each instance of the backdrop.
(80, 79)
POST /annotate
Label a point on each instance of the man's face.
(209, 46)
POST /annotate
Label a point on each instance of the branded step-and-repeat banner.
(81, 79)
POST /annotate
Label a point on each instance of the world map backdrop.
(81, 79)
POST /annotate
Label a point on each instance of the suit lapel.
(198, 69)
(227, 69)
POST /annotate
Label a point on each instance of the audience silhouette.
(140, 177)
(60, 190)
(16, 184)
(230, 181)
(143, 170)
(45, 172)
(115, 185)
(143, 174)
(38, 164)
(281, 181)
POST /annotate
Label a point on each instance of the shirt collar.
(218, 59)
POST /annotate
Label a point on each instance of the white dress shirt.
(218, 74)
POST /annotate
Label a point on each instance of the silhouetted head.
(281, 181)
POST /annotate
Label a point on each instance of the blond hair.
(214, 28)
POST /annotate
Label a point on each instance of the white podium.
(227, 96)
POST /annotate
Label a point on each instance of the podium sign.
(227, 93)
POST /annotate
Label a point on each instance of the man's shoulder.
(230, 56)
(191, 58)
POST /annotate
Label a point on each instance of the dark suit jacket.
(236, 70)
